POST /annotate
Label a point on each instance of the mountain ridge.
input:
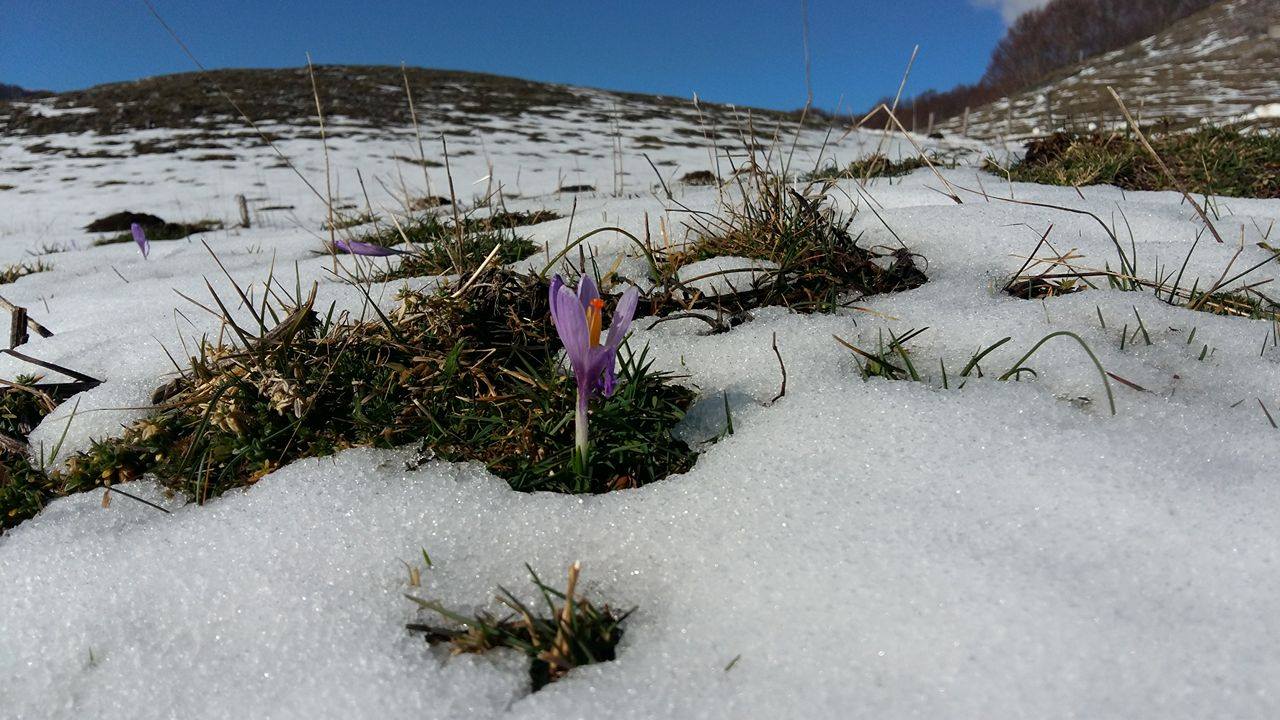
(1218, 66)
(369, 94)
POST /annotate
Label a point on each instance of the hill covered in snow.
(1218, 66)
(1035, 480)
(179, 138)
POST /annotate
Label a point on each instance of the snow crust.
(855, 549)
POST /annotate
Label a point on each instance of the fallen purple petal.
(140, 237)
(355, 247)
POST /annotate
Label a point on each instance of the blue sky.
(748, 52)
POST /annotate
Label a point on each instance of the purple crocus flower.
(355, 247)
(578, 318)
(140, 237)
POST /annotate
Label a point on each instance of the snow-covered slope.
(855, 549)
(175, 142)
(1218, 66)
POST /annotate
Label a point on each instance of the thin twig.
(118, 491)
(783, 391)
(53, 366)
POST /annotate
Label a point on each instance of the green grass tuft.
(1217, 161)
(436, 246)
(24, 489)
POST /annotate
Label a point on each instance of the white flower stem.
(580, 427)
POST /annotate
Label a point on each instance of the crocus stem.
(580, 426)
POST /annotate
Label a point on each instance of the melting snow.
(863, 549)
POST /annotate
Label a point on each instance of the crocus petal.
(599, 362)
(571, 326)
(140, 237)
(587, 291)
(610, 378)
(556, 283)
(355, 247)
(622, 316)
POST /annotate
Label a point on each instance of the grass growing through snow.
(11, 273)
(471, 374)
(1051, 273)
(893, 361)
(24, 489)
(572, 631)
(1217, 161)
(810, 260)
(437, 246)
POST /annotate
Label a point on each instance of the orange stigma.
(593, 321)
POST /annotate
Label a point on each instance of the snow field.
(863, 549)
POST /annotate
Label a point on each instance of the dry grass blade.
(1142, 138)
(951, 192)
(231, 101)
(324, 142)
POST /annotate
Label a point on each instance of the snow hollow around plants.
(857, 548)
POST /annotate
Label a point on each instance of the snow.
(1270, 110)
(1210, 67)
(721, 275)
(863, 549)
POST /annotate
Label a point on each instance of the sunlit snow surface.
(863, 549)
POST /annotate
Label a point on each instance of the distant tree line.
(1055, 36)
(13, 92)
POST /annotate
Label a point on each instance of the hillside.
(176, 136)
(888, 445)
(372, 96)
(1220, 65)
(14, 92)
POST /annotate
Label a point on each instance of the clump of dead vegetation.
(570, 633)
(699, 178)
(1207, 161)
(14, 271)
